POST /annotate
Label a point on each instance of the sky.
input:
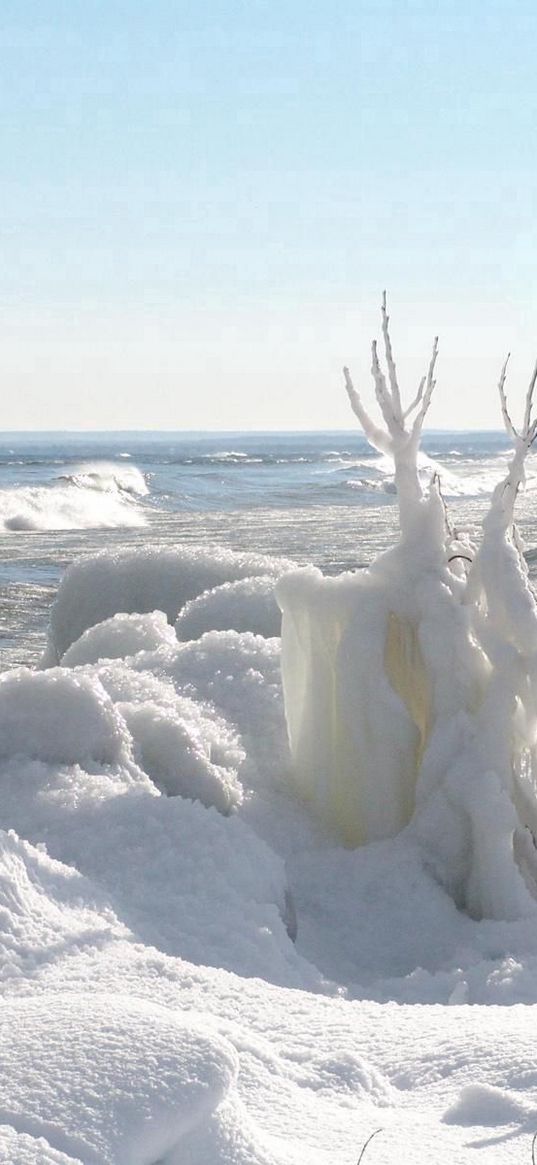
(202, 202)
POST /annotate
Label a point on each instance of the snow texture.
(193, 969)
(246, 605)
(141, 581)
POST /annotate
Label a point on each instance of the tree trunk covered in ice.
(411, 687)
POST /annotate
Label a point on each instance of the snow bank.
(140, 581)
(246, 605)
(156, 1076)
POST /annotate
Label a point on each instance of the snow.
(119, 636)
(141, 581)
(246, 605)
(158, 1077)
(195, 969)
(162, 1011)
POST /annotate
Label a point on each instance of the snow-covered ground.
(194, 972)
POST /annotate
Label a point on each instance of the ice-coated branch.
(509, 427)
(392, 371)
(396, 437)
(529, 399)
(425, 397)
(522, 439)
(384, 394)
(416, 400)
(376, 437)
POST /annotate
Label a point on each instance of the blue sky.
(202, 202)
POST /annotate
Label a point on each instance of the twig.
(369, 1139)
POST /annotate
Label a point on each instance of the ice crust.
(153, 849)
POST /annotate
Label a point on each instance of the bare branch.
(375, 436)
(368, 1142)
(510, 428)
(392, 371)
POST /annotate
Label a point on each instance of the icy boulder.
(246, 605)
(141, 581)
(121, 635)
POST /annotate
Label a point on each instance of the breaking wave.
(97, 495)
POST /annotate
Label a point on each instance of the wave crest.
(97, 495)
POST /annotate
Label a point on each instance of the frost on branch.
(411, 687)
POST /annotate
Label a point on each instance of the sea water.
(322, 497)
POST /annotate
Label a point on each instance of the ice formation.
(411, 687)
(140, 581)
(155, 1010)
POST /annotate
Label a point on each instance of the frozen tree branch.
(416, 400)
(396, 436)
(427, 392)
(399, 440)
(376, 437)
(392, 372)
(506, 492)
(509, 427)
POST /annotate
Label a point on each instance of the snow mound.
(143, 580)
(43, 905)
(239, 675)
(120, 636)
(118, 1081)
(177, 751)
(23, 1149)
(481, 1104)
(58, 717)
(246, 605)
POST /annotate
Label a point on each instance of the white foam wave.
(107, 477)
(97, 495)
(480, 481)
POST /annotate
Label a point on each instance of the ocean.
(321, 497)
